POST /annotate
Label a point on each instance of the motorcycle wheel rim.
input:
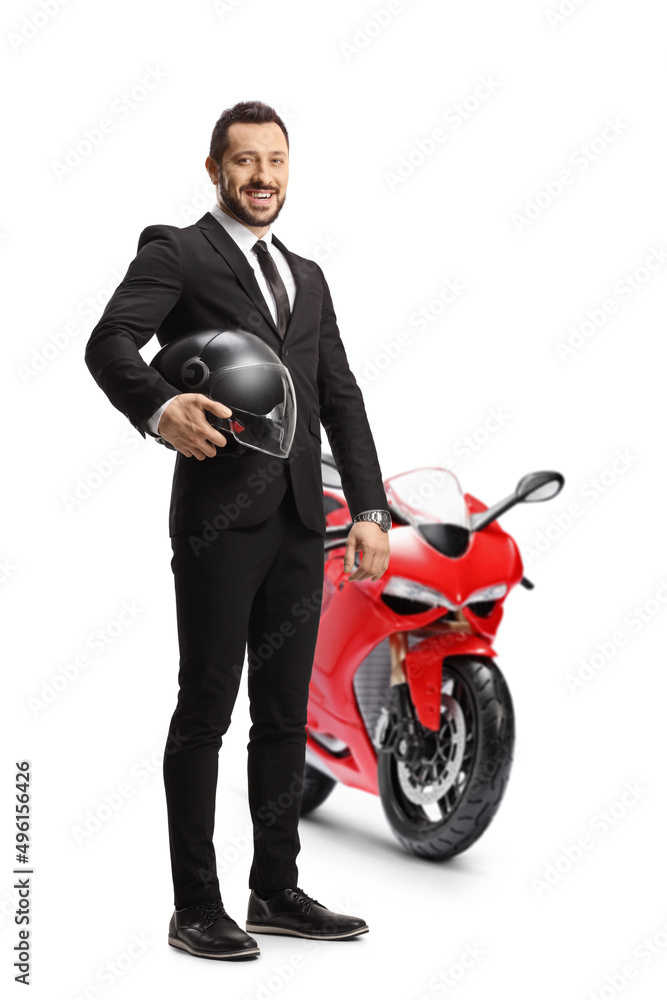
(453, 754)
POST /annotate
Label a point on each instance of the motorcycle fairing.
(423, 669)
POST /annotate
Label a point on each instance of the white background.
(359, 99)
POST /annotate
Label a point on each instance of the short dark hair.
(254, 112)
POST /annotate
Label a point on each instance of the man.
(246, 531)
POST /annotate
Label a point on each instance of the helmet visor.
(263, 405)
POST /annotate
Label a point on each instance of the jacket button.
(284, 351)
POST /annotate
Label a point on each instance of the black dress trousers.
(261, 587)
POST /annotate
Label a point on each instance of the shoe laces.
(302, 897)
(213, 910)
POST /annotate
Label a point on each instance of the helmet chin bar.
(231, 426)
(233, 448)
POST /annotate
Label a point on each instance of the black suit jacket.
(197, 278)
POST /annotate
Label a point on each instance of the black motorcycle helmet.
(238, 369)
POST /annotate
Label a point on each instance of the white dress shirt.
(246, 240)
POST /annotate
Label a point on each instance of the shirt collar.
(238, 232)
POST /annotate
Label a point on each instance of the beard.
(244, 213)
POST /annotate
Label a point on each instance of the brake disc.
(430, 779)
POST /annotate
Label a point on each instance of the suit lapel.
(301, 279)
(221, 241)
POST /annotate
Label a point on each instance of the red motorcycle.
(405, 699)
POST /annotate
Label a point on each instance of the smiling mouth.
(258, 196)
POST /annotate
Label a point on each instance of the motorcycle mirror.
(330, 473)
(532, 488)
(538, 486)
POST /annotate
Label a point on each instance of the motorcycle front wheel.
(440, 804)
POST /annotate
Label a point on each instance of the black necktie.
(275, 282)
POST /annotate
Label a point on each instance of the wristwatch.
(381, 517)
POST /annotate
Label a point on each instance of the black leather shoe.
(292, 911)
(207, 930)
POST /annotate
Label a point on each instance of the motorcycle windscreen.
(432, 500)
(263, 405)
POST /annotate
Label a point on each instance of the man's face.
(252, 177)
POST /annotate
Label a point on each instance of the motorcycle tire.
(487, 743)
(316, 788)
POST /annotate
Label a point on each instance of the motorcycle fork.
(398, 647)
(399, 735)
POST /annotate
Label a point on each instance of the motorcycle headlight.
(419, 598)
(409, 590)
(488, 593)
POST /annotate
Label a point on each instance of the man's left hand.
(374, 542)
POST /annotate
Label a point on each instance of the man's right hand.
(184, 425)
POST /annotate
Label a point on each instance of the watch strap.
(380, 517)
